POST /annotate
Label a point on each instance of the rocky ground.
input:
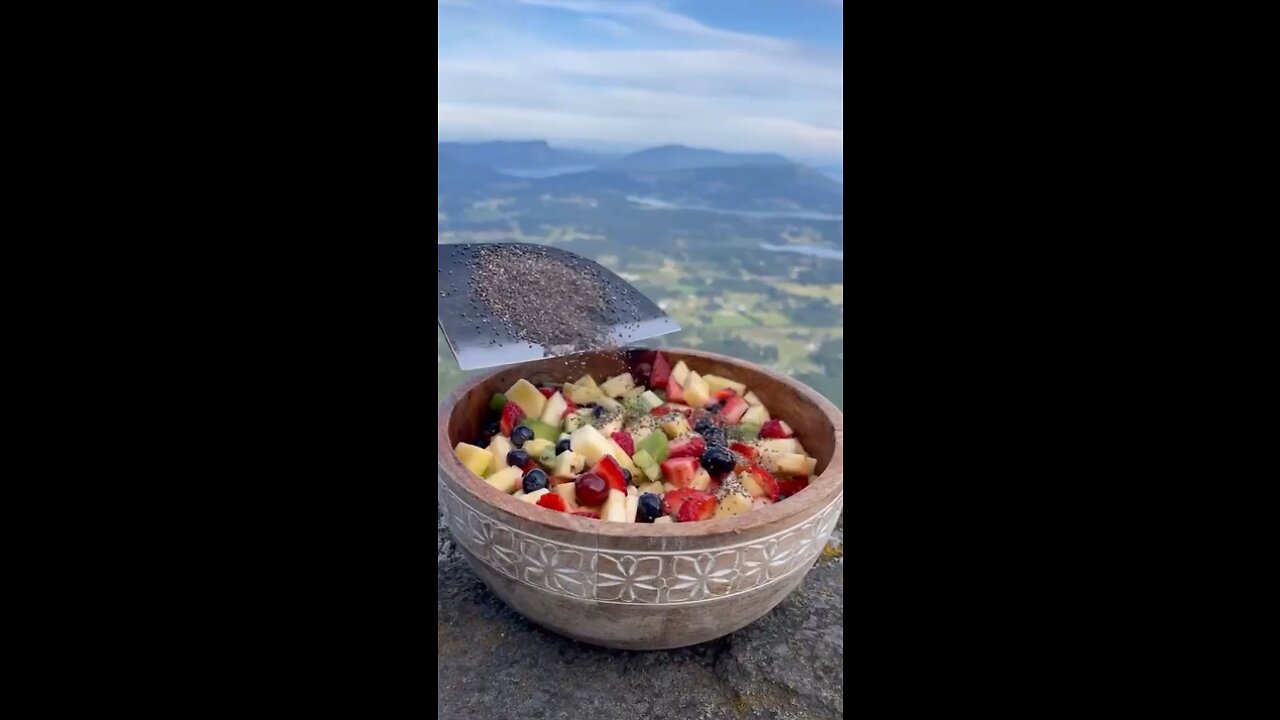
(492, 664)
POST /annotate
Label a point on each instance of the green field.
(783, 310)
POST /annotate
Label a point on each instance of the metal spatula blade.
(480, 340)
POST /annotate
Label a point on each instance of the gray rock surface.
(493, 664)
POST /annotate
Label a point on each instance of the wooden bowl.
(640, 586)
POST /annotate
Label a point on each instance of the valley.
(761, 278)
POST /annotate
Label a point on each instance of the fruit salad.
(662, 444)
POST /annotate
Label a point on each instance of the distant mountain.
(454, 170)
(679, 157)
(748, 187)
(520, 155)
(674, 174)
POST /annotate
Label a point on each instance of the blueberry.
(715, 437)
(534, 480)
(518, 458)
(521, 435)
(562, 446)
(717, 460)
(599, 412)
(650, 507)
(714, 407)
(489, 430)
(626, 474)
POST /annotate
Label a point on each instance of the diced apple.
(577, 420)
(582, 395)
(677, 427)
(569, 464)
(680, 372)
(650, 400)
(755, 415)
(633, 393)
(507, 479)
(537, 446)
(793, 464)
(640, 433)
(586, 381)
(732, 505)
(499, 446)
(696, 392)
(611, 427)
(810, 465)
(779, 445)
(786, 428)
(701, 480)
(661, 520)
(618, 385)
(528, 397)
(751, 483)
(717, 383)
(554, 409)
(615, 508)
(632, 491)
(752, 399)
(568, 494)
(651, 487)
(608, 403)
(633, 504)
(532, 498)
(588, 442)
(476, 459)
(622, 457)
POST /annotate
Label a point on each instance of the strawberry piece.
(688, 446)
(547, 392)
(661, 371)
(768, 483)
(625, 442)
(725, 394)
(743, 449)
(773, 430)
(552, 501)
(672, 501)
(581, 513)
(679, 471)
(734, 408)
(511, 417)
(609, 469)
(675, 391)
(697, 506)
(791, 486)
(529, 465)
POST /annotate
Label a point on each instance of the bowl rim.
(807, 502)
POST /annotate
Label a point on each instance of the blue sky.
(746, 75)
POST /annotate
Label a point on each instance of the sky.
(738, 75)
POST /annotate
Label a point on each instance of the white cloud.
(721, 89)
(611, 26)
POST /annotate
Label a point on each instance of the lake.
(797, 214)
(814, 250)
